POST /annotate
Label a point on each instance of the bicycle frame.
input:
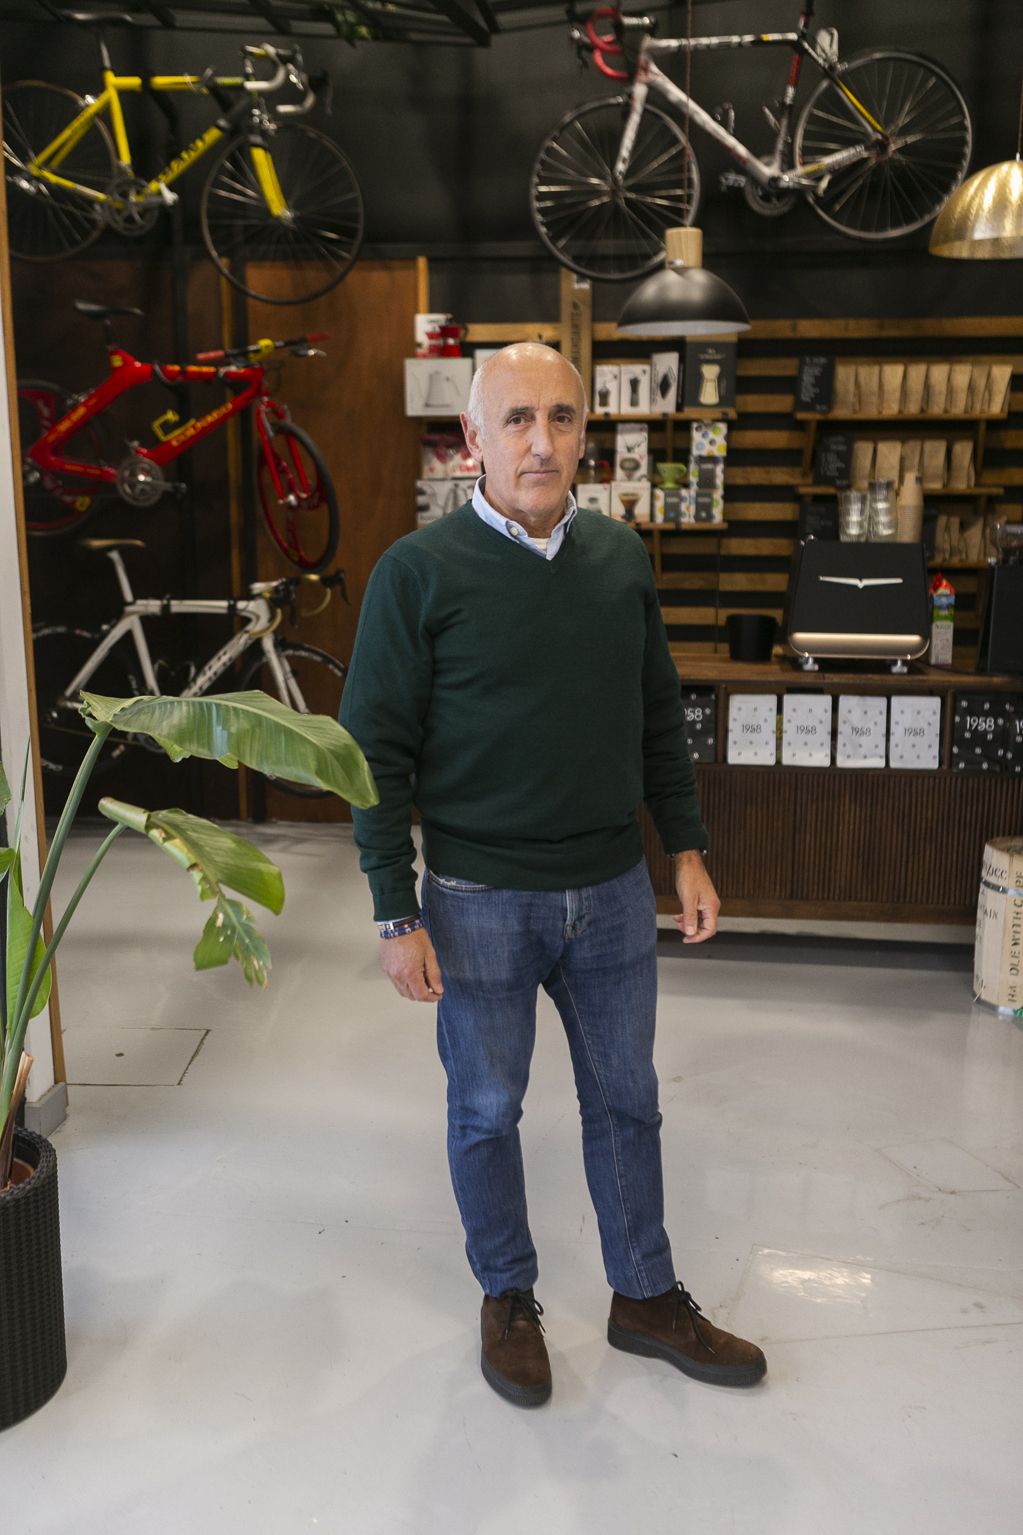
(127, 373)
(259, 624)
(768, 172)
(46, 164)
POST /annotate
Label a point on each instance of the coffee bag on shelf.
(913, 388)
(958, 388)
(936, 392)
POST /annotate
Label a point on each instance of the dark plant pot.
(33, 1356)
(750, 636)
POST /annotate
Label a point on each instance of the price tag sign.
(753, 729)
(914, 732)
(806, 730)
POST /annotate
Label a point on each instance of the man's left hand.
(698, 919)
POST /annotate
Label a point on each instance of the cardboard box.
(699, 709)
(665, 382)
(435, 498)
(606, 389)
(630, 500)
(914, 732)
(862, 731)
(437, 386)
(806, 730)
(998, 951)
(708, 439)
(753, 729)
(672, 504)
(632, 451)
(594, 498)
(634, 389)
(709, 379)
(979, 731)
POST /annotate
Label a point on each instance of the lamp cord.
(689, 88)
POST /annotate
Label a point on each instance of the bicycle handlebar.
(599, 45)
(299, 345)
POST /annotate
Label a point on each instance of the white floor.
(272, 1328)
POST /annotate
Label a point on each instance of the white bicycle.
(68, 660)
(878, 148)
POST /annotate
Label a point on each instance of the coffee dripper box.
(632, 451)
(630, 500)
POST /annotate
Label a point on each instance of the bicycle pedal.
(731, 181)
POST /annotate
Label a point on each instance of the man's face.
(532, 435)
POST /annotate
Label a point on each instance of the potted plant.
(232, 728)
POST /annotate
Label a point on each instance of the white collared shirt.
(546, 548)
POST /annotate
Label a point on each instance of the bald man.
(511, 678)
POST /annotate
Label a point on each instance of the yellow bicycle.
(280, 211)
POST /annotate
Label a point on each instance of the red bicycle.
(67, 471)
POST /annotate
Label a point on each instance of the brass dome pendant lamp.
(983, 219)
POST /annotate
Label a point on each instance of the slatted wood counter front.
(848, 844)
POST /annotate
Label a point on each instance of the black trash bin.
(750, 636)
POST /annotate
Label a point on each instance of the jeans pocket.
(461, 886)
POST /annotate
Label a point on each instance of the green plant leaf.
(231, 934)
(249, 728)
(6, 859)
(19, 935)
(213, 856)
(5, 789)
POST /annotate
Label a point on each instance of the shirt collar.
(513, 530)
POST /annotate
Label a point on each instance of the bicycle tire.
(60, 650)
(52, 509)
(311, 253)
(319, 677)
(590, 225)
(48, 223)
(312, 545)
(902, 188)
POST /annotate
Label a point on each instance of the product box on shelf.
(708, 439)
(634, 389)
(437, 386)
(632, 450)
(998, 952)
(664, 382)
(708, 505)
(806, 730)
(986, 733)
(630, 500)
(606, 389)
(753, 729)
(709, 378)
(436, 455)
(699, 709)
(862, 731)
(594, 498)
(435, 498)
(672, 504)
(914, 732)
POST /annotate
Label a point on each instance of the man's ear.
(473, 439)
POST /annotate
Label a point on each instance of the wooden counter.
(877, 844)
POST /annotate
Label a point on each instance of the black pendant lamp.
(683, 299)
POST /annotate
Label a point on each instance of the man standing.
(512, 679)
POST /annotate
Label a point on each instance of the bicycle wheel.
(912, 167)
(303, 519)
(592, 222)
(51, 506)
(312, 245)
(60, 652)
(317, 682)
(47, 222)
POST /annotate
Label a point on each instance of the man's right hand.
(410, 963)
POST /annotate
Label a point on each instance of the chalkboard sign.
(834, 458)
(818, 519)
(815, 383)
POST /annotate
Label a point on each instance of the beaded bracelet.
(399, 927)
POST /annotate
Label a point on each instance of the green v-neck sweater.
(525, 706)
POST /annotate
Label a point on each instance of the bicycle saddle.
(111, 543)
(99, 18)
(104, 311)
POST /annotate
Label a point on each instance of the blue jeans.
(593, 952)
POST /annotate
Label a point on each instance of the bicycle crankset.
(769, 202)
(127, 209)
(140, 481)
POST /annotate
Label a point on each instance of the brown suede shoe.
(514, 1357)
(670, 1327)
